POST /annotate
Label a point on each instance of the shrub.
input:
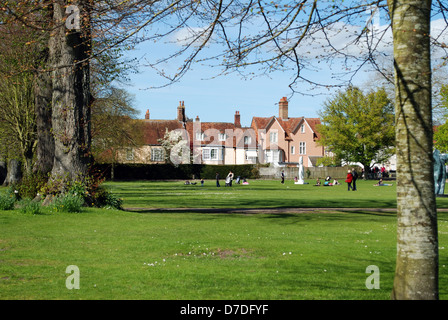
(112, 201)
(7, 201)
(31, 207)
(71, 194)
(172, 172)
(68, 202)
(31, 185)
(104, 198)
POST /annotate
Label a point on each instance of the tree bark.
(416, 275)
(45, 140)
(69, 54)
(14, 172)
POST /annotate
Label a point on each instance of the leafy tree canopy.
(441, 132)
(359, 127)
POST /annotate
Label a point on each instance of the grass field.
(190, 255)
(258, 194)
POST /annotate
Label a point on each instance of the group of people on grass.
(351, 178)
(229, 180)
(327, 182)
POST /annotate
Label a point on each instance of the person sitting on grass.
(317, 182)
(381, 184)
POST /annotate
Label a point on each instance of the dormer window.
(200, 136)
(222, 137)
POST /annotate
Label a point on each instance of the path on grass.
(266, 210)
(256, 210)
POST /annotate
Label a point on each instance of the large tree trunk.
(416, 275)
(45, 140)
(14, 173)
(69, 54)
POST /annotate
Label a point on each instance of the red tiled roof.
(212, 129)
(289, 125)
(155, 129)
(314, 124)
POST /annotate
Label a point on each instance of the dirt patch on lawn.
(232, 254)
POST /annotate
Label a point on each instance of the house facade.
(278, 140)
(284, 140)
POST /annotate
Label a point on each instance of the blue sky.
(217, 99)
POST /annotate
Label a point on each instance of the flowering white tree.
(176, 146)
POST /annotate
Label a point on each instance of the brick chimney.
(283, 108)
(181, 111)
(237, 119)
(147, 115)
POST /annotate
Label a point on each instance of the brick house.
(280, 140)
(284, 140)
(222, 142)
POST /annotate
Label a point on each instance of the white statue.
(301, 175)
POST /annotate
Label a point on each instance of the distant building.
(284, 140)
(279, 140)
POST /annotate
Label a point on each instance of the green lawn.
(144, 255)
(258, 194)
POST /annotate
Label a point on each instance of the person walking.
(283, 177)
(354, 176)
(217, 179)
(349, 180)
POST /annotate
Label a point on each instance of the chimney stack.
(181, 111)
(237, 119)
(283, 108)
(147, 115)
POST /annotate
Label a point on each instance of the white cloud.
(351, 41)
(190, 35)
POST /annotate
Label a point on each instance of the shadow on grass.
(279, 213)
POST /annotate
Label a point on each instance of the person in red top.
(349, 180)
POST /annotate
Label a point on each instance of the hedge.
(172, 172)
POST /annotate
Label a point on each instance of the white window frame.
(302, 128)
(130, 154)
(200, 136)
(212, 154)
(293, 150)
(251, 158)
(247, 140)
(272, 156)
(302, 147)
(222, 137)
(157, 155)
(206, 154)
(273, 137)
